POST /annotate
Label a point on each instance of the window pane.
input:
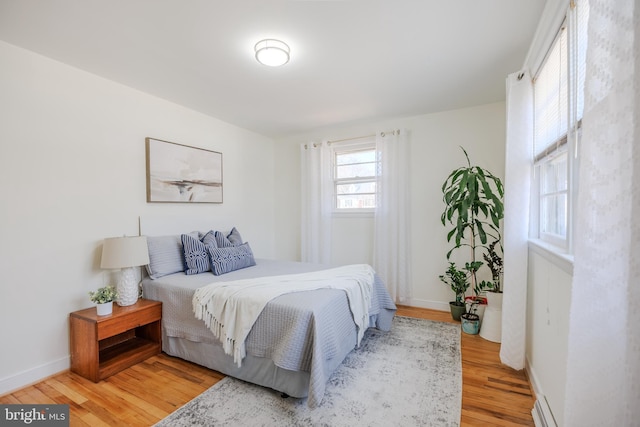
(554, 175)
(561, 172)
(561, 215)
(549, 175)
(547, 216)
(356, 171)
(356, 188)
(356, 157)
(354, 201)
(553, 212)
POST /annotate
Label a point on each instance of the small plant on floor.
(459, 283)
(104, 295)
(494, 262)
(457, 280)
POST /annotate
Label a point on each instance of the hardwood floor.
(493, 395)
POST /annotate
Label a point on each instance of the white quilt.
(229, 309)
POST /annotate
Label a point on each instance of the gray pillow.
(231, 239)
(165, 255)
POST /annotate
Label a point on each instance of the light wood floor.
(493, 395)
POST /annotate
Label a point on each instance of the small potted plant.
(104, 297)
(471, 319)
(494, 262)
(457, 280)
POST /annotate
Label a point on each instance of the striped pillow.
(165, 255)
(225, 260)
(196, 257)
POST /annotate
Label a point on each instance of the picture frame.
(179, 173)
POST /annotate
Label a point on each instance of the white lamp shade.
(123, 252)
(271, 52)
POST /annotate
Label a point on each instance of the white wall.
(435, 152)
(72, 172)
(548, 301)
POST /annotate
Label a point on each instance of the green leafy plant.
(457, 280)
(104, 295)
(494, 262)
(473, 206)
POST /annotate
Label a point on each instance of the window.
(558, 107)
(355, 172)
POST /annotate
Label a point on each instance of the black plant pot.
(457, 309)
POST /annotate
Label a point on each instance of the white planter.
(104, 309)
(491, 328)
(479, 308)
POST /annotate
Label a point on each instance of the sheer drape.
(603, 366)
(316, 185)
(516, 219)
(392, 234)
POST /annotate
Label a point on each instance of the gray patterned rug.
(410, 376)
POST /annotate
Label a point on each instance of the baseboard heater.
(542, 415)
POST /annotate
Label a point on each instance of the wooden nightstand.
(104, 345)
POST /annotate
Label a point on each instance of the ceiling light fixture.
(272, 52)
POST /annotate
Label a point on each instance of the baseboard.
(34, 375)
(542, 416)
(433, 305)
(533, 379)
(541, 412)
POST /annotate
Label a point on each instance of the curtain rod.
(382, 134)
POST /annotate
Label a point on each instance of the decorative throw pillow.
(232, 239)
(196, 256)
(231, 258)
(165, 255)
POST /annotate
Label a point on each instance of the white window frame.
(368, 144)
(566, 145)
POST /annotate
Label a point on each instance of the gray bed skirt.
(259, 370)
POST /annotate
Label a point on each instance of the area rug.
(409, 376)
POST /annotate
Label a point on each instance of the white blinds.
(559, 85)
(552, 98)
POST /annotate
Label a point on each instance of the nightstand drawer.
(115, 325)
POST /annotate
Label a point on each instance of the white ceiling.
(350, 60)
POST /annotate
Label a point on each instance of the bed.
(297, 340)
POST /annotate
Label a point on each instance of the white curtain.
(603, 366)
(316, 185)
(392, 229)
(517, 183)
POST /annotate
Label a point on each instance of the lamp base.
(127, 287)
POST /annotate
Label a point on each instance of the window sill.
(353, 214)
(553, 254)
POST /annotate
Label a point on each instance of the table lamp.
(125, 253)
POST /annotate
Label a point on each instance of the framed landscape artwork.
(181, 174)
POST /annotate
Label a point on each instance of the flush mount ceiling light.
(272, 52)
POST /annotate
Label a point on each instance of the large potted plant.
(473, 208)
(459, 283)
